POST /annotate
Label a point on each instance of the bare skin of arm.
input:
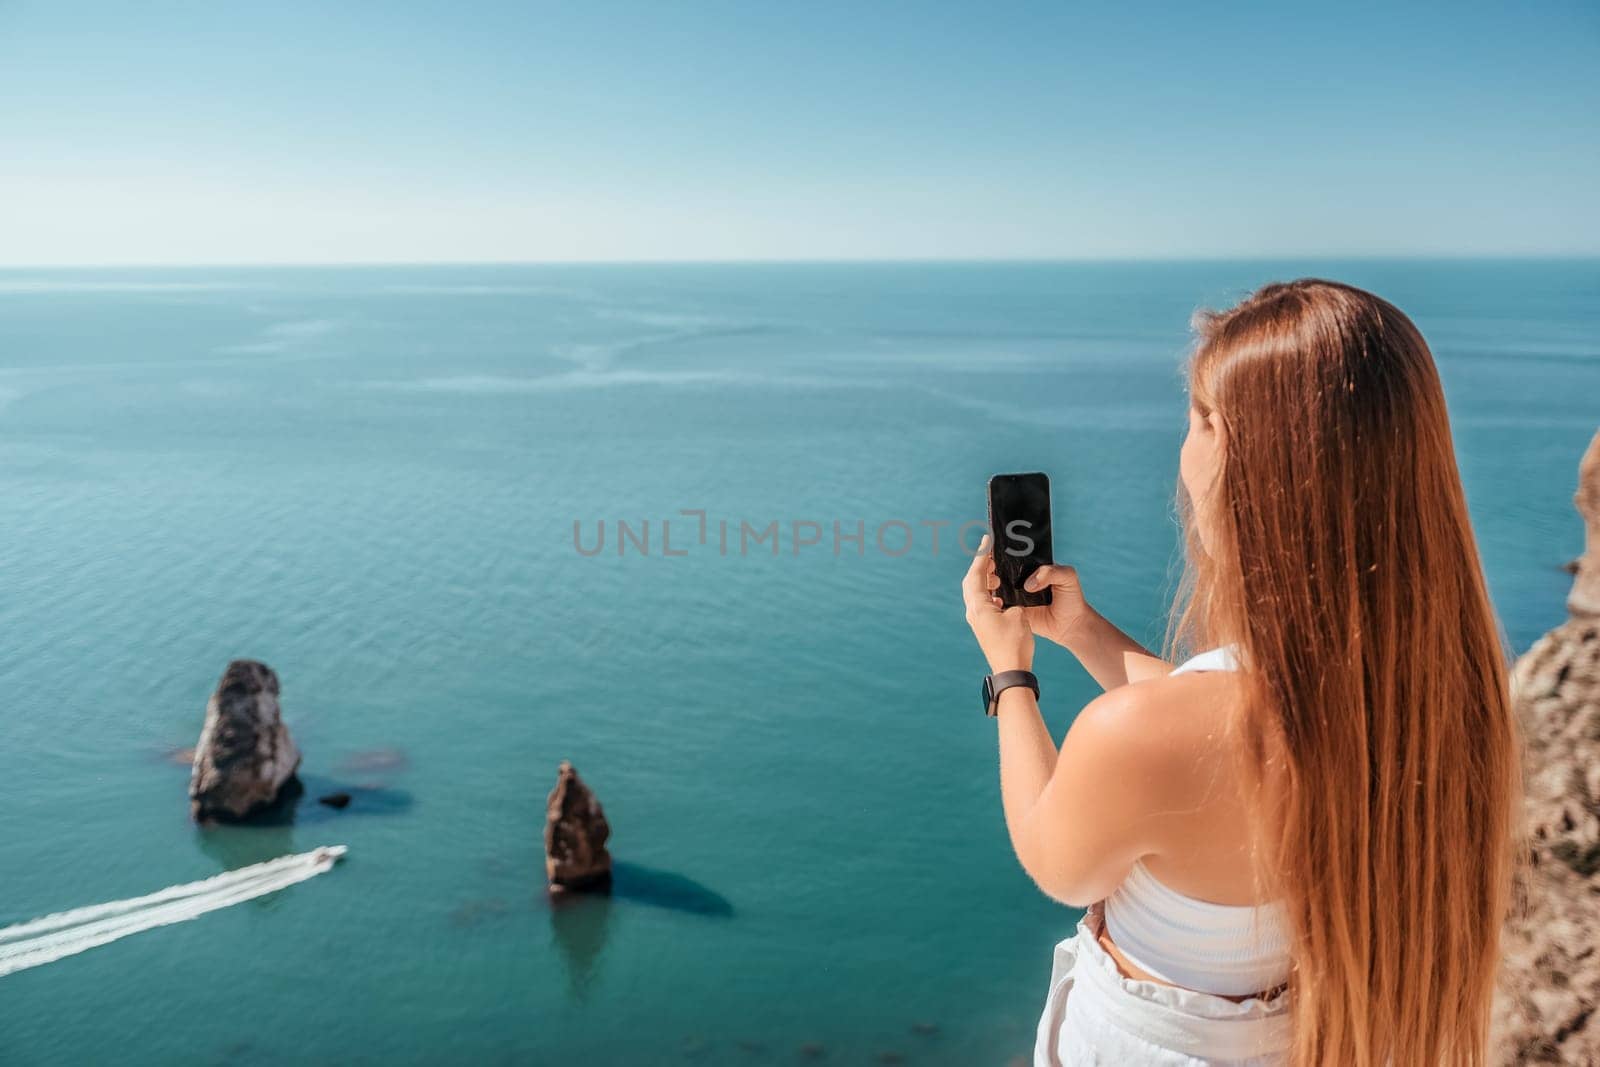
(1142, 774)
(1139, 775)
(1078, 817)
(1070, 622)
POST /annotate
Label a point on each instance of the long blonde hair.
(1376, 727)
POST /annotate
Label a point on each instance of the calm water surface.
(369, 478)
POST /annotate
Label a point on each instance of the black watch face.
(988, 694)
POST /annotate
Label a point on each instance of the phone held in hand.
(1019, 521)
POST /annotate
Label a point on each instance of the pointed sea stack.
(245, 756)
(575, 832)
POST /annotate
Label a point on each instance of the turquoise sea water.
(369, 479)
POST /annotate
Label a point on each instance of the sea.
(696, 528)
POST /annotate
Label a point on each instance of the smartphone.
(1019, 521)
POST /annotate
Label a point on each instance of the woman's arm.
(1027, 755)
(1079, 818)
(1099, 646)
(1076, 818)
(1070, 622)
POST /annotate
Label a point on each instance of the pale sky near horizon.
(172, 133)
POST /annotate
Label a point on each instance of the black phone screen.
(1019, 518)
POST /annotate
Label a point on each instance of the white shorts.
(1095, 1015)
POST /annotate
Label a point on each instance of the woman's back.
(1196, 837)
(1189, 916)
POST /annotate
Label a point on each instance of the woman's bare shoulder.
(1144, 758)
(1190, 810)
(1172, 706)
(1171, 728)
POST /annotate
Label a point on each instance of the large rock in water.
(245, 757)
(575, 832)
(1549, 989)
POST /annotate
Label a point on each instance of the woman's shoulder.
(1146, 758)
(1168, 727)
(1156, 707)
(1170, 737)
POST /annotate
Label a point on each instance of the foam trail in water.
(53, 937)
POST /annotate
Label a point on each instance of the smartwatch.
(995, 684)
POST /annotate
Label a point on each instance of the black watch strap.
(995, 684)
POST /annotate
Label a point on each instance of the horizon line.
(1366, 257)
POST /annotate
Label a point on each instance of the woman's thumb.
(1048, 575)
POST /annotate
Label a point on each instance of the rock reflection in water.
(580, 921)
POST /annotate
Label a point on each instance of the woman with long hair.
(1297, 847)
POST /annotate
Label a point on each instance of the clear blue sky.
(344, 132)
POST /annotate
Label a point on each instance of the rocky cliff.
(1550, 980)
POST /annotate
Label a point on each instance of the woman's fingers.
(1057, 576)
(975, 586)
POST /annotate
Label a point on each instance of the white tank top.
(1229, 949)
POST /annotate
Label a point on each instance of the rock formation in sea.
(245, 757)
(575, 832)
(1549, 988)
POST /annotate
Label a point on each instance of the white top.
(1229, 949)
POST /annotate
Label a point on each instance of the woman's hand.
(1003, 633)
(1068, 616)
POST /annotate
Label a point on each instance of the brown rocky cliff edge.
(1545, 1009)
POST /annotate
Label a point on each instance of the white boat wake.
(67, 933)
